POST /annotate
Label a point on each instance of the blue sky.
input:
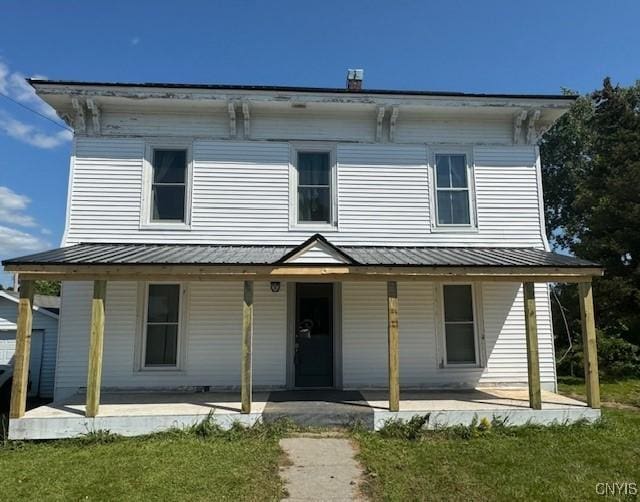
(484, 46)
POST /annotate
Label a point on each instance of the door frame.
(291, 340)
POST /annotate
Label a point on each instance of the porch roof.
(263, 259)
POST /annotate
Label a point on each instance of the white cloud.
(13, 84)
(135, 40)
(16, 243)
(12, 207)
(30, 134)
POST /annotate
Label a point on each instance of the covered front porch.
(138, 413)
(314, 261)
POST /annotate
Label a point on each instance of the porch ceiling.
(89, 261)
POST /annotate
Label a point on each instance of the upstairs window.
(314, 190)
(168, 186)
(453, 193)
(459, 324)
(162, 325)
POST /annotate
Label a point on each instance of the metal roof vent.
(354, 79)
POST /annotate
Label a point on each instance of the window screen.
(168, 185)
(459, 324)
(163, 308)
(314, 187)
(452, 190)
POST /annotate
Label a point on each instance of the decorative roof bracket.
(247, 122)
(232, 119)
(79, 123)
(95, 116)
(379, 119)
(392, 123)
(517, 126)
(534, 115)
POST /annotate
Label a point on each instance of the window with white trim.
(313, 186)
(162, 326)
(459, 324)
(453, 192)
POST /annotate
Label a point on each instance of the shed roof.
(220, 254)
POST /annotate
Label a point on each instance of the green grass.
(533, 463)
(625, 392)
(203, 464)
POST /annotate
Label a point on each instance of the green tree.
(50, 288)
(591, 177)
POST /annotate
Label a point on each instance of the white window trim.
(143, 302)
(146, 223)
(294, 149)
(478, 330)
(453, 150)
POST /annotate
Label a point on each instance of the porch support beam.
(19, 386)
(394, 360)
(247, 336)
(94, 376)
(533, 360)
(590, 350)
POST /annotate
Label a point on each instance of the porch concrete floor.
(115, 404)
(135, 413)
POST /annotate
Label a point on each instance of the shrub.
(404, 429)
(617, 358)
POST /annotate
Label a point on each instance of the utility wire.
(566, 326)
(36, 112)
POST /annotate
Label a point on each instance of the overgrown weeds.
(418, 428)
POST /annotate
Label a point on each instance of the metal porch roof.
(199, 254)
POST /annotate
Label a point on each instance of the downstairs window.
(459, 324)
(162, 326)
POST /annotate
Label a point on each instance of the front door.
(313, 358)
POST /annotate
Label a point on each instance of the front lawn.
(554, 463)
(172, 466)
(624, 392)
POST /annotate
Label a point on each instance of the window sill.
(313, 227)
(165, 226)
(443, 229)
(160, 369)
(465, 366)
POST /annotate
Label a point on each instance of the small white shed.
(44, 340)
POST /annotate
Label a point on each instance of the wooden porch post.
(531, 330)
(23, 350)
(392, 331)
(247, 335)
(590, 349)
(94, 376)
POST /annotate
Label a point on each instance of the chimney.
(354, 80)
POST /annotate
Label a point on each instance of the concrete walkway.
(321, 468)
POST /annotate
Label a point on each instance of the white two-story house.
(258, 238)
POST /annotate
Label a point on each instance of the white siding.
(364, 319)
(310, 123)
(414, 128)
(211, 338)
(241, 195)
(207, 124)
(364, 334)
(49, 327)
(307, 124)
